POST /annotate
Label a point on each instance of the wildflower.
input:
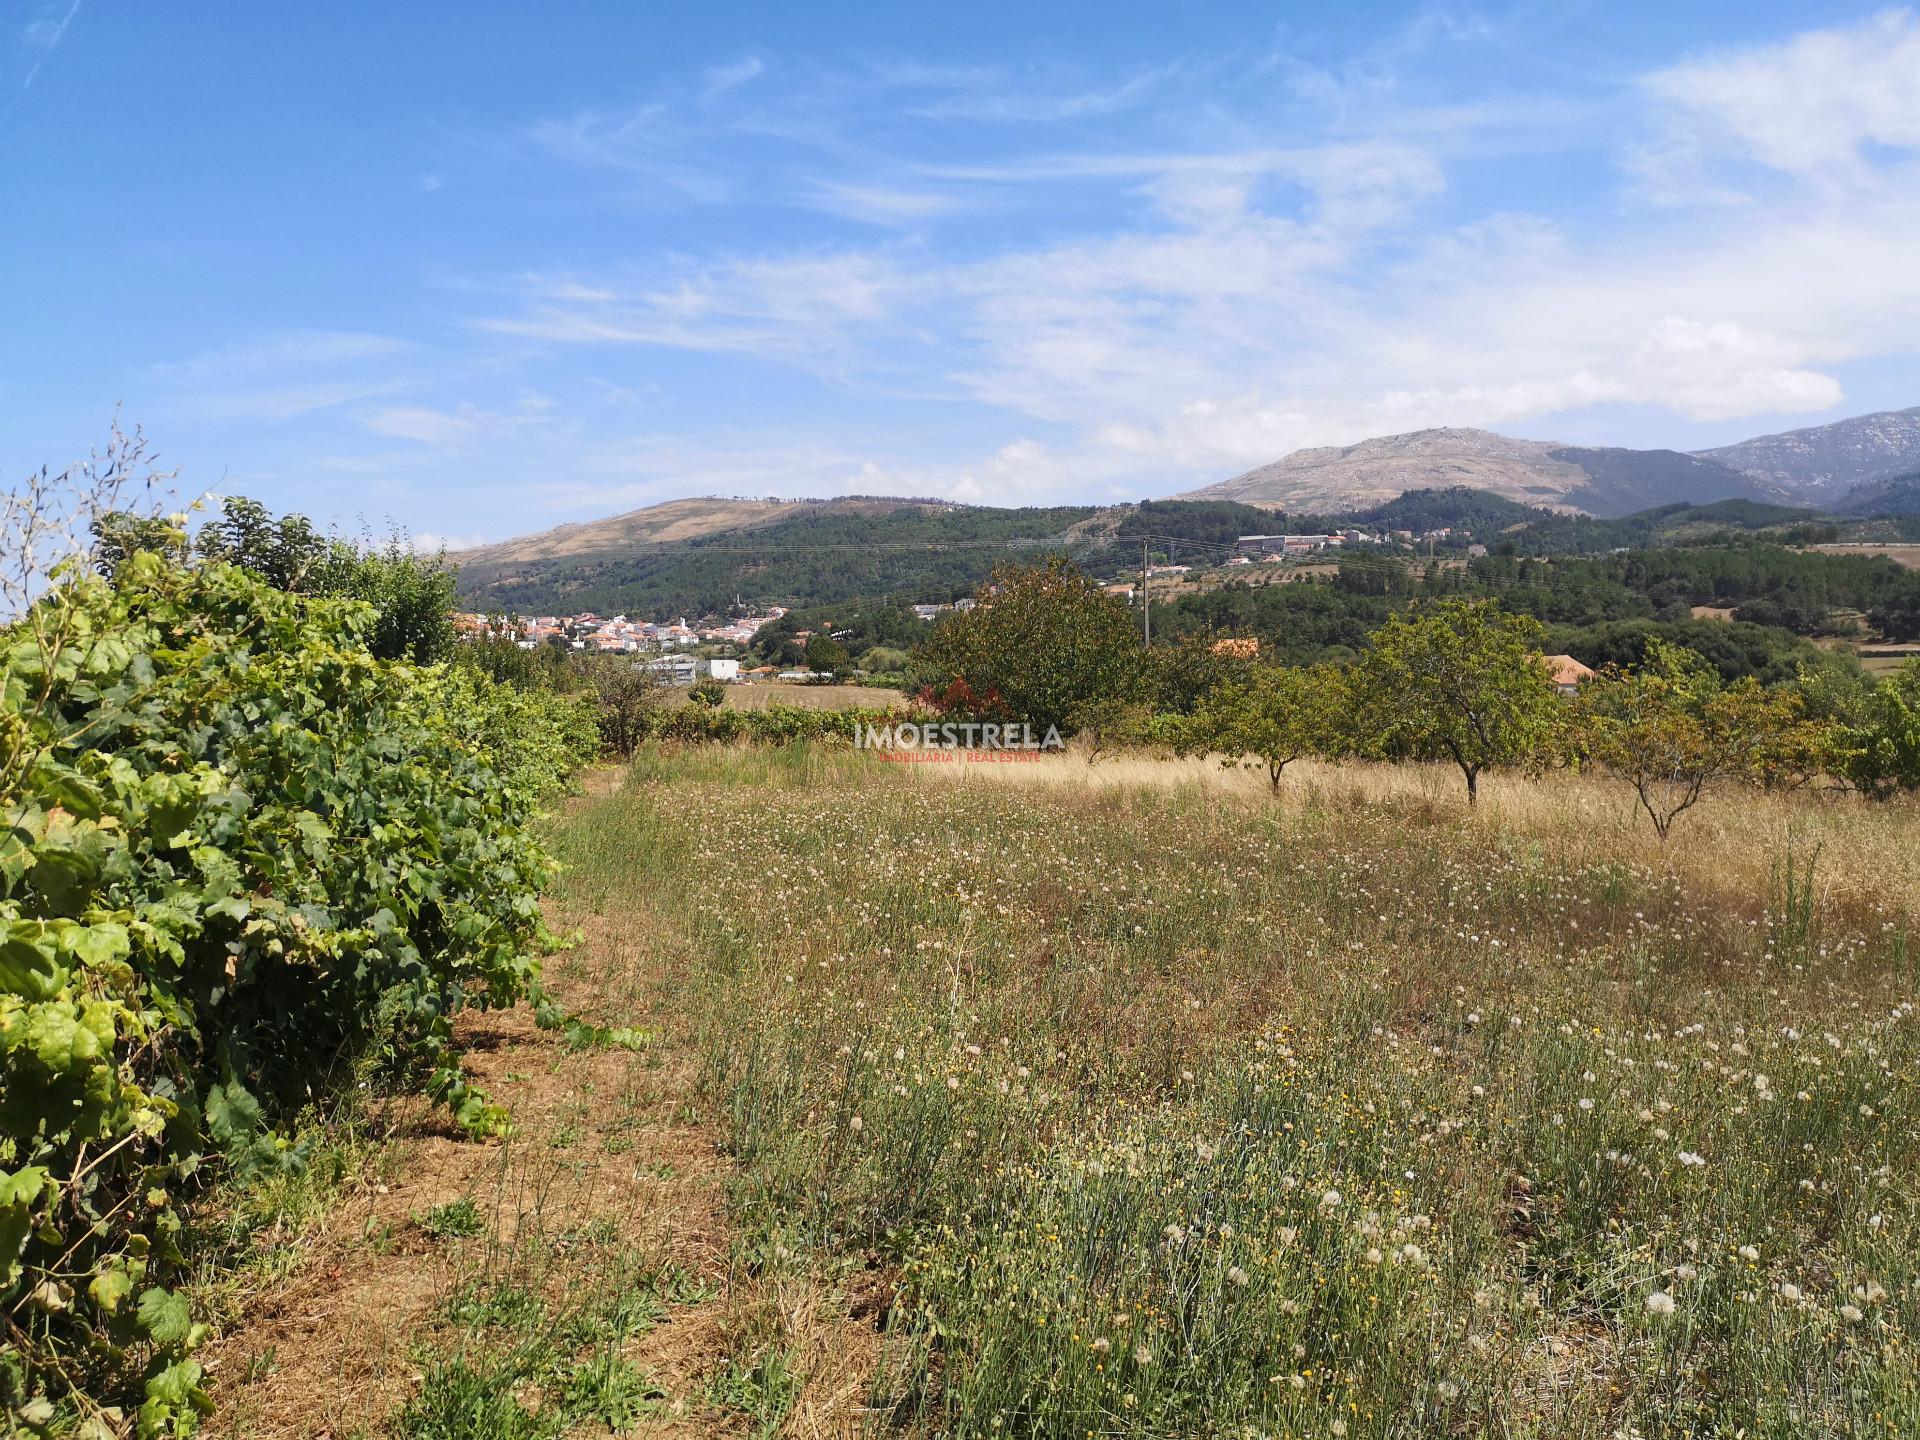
(1447, 1390)
(1413, 1254)
(1789, 1291)
(1692, 1158)
(1660, 1303)
(1852, 1314)
(1236, 1276)
(1585, 1103)
(1175, 1234)
(1750, 1253)
(1373, 1255)
(1330, 1199)
(1102, 1345)
(856, 1124)
(1142, 1355)
(1337, 1429)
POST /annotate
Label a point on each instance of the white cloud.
(454, 427)
(721, 78)
(432, 542)
(1157, 312)
(285, 375)
(285, 402)
(879, 204)
(1808, 106)
(280, 353)
(420, 423)
(43, 35)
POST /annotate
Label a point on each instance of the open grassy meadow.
(1049, 1099)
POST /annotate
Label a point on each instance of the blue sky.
(481, 268)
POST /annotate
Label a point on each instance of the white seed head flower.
(1660, 1303)
(1236, 1276)
(1330, 1199)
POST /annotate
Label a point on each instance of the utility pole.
(1146, 599)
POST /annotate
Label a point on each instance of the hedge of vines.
(775, 725)
(235, 849)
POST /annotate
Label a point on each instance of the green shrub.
(237, 848)
(775, 725)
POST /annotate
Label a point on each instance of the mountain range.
(698, 555)
(1819, 466)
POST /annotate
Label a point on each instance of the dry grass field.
(1132, 1099)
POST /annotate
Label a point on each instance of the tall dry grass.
(1166, 1106)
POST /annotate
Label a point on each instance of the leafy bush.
(626, 698)
(1045, 639)
(237, 847)
(1872, 729)
(775, 725)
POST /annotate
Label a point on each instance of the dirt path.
(609, 1149)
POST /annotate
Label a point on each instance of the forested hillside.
(833, 551)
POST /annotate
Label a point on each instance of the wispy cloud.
(279, 353)
(1222, 304)
(43, 35)
(721, 78)
(881, 204)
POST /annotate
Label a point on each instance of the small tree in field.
(1870, 731)
(827, 656)
(1045, 640)
(1276, 715)
(1672, 728)
(1461, 681)
(626, 697)
(1104, 727)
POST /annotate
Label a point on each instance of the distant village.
(670, 648)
